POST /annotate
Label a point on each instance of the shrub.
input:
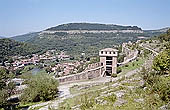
(113, 75)
(157, 84)
(3, 97)
(111, 98)
(161, 62)
(87, 102)
(119, 69)
(126, 65)
(40, 88)
(162, 87)
(6, 87)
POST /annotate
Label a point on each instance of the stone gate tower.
(108, 59)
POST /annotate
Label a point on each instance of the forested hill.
(91, 26)
(75, 38)
(10, 47)
(25, 37)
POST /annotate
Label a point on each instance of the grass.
(76, 89)
(78, 99)
(132, 66)
(22, 105)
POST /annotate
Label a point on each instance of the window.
(108, 62)
(101, 52)
(108, 58)
(114, 52)
(109, 69)
(106, 52)
(101, 64)
(110, 52)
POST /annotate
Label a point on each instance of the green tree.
(40, 88)
(3, 97)
(5, 88)
(161, 62)
(165, 37)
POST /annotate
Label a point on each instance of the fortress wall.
(88, 74)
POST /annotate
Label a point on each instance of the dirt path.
(153, 51)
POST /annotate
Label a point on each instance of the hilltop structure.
(108, 59)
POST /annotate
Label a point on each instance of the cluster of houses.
(64, 69)
(59, 69)
(21, 61)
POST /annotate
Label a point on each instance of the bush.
(157, 84)
(126, 65)
(6, 87)
(119, 69)
(162, 87)
(87, 102)
(3, 97)
(40, 88)
(161, 62)
(113, 75)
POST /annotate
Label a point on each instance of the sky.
(24, 16)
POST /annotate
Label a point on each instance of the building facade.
(108, 59)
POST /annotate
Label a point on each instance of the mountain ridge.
(88, 41)
(65, 28)
(91, 26)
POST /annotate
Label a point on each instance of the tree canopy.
(161, 62)
(40, 88)
(6, 87)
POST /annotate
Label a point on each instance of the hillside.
(10, 47)
(25, 37)
(91, 26)
(75, 38)
(143, 83)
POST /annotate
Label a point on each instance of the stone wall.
(88, 74)
(93, 65)
(130, 54)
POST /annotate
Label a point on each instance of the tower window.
(108, 58)
(109, 69)
(101, 52)
(108, 62)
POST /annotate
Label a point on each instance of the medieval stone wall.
(130, 54)
(88, 74)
